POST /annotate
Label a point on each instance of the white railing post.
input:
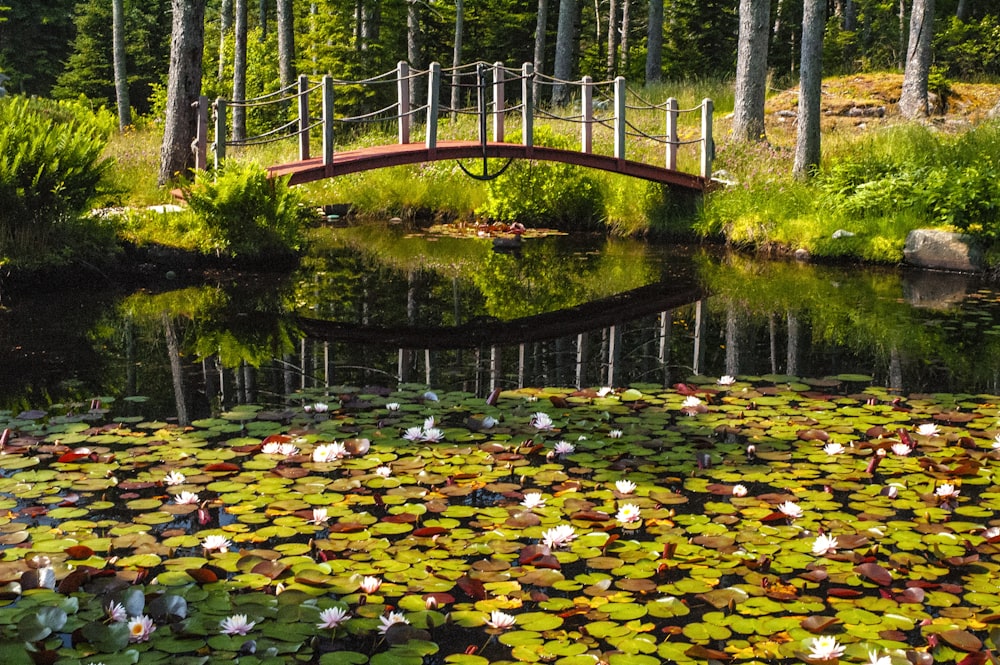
(672, 133)
(498, 102)
(327, 120)
(403, 103)
(527, 104)
(620, 117)
(220, 131)
(201, 140)
(587, 111)
(433, 94)
(707, 142)
(303, 117)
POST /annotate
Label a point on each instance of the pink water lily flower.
(371, 584)
(140, 628)
(332, 617)
(558, 536)
(501, 620)
(237, 624)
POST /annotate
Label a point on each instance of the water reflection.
(375, 307)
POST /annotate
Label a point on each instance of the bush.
(51, 170)
(245, 213)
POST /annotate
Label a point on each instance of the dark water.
(375, 307)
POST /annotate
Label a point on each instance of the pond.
(724, 460)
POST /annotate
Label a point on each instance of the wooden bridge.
(497, 92)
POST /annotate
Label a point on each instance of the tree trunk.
(414, 39)
(262, 17)
(623, 41)
(565, 39)
(901, 51)
(225, 25)
(286, 43)
(654, 42)
(751, 70)
(850, 16)
(962, 12)
(187, 41)
(240, 72)
(612, 59)
(913, 99)
(176, 370)
(121, 76)
(807, 144)
(456, 60)
(540, 33)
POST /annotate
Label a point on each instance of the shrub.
(51, 170)
(247, 214)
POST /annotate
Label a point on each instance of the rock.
(866, 112)
(842, 233)
(165, 209)
(943, 250)
(801, 254)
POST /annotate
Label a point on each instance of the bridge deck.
(377, 157)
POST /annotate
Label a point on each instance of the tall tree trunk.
(913, 99)
(807, 144)
(262, 18)
(286, 43)
(565, 39)
(414, 39)
(456, 60)
(850, 16)
(371, 21)
(225, 25)
(751, 70)
(176, 370)
(187, 42)
(623, 41)
(654, 42)
(121, 76)
(901, 51)
(612, 59)
(541, 26)
(240, 72)
(963, 10)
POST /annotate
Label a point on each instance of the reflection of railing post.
(699, 331)
(587, 110)
(303, 117)
(527, 105)
(672, 133)
(403, 100)
(620, 117)
(327, 120)
(498, 102)
(433, 92)
(581, 358)
(220, 131)
(707, 143)
(614, 352)
(201, 140)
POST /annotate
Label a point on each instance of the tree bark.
(565, 39)
(541, 26)
(286, 43)
(963, 11)
(913, 99)
(121, 75)
(901, 57)
(751, 71)
(612, 58)
(456, 60)
(240, 72)
(183, 88)
(654, 42)
(414, 39)
(225, 25)
(262, 17)
(624, 41)
(807, 144)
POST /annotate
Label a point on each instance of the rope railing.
(587, 103)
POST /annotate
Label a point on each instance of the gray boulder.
(943, 250)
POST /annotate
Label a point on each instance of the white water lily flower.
(726, 380)
(216, 542)
(991, 532)
(319, 516)
(533, 500)
(558, 536)
(605, 391)
(500, 620)
(287, 449)
(174, 478)
(140, 628)
(901, 449)
(875, 659)
(385, 471)
(615, 434)
(826, 647)
(739, 490)
(790, 509)
(625, 486)
(186, 498)
(328, 452)
(928, 429)
(432, 434)
(824, 544)
(564, 448)
(237, 624)
(414, 433)
(833, 449)
(332, 617)
(392, 406)
(321, 407)
(116, 612)
(947, 491)
(996, 442)
(428, 422)
(541, 420)
(628, 513)
(391, 619)
(691, 401)
(371, 584)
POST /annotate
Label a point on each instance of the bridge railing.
(496, 91)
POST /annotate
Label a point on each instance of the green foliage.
(968, 49)
(51, 168)
(246, 214)
(34, 42)
(546, 193)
